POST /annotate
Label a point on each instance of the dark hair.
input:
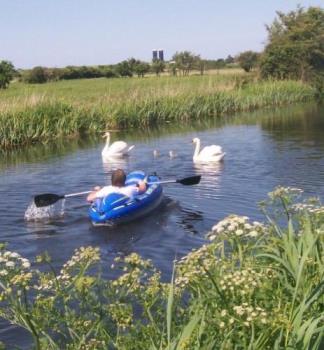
(118, 178)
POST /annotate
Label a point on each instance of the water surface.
(263, 149)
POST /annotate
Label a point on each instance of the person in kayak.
(118, 179)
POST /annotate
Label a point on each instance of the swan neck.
(108, 139)
(197, 149)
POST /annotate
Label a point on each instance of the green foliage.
(158, 67)
(185, 61)
(253, 286)
(295, 48)
(124, 69)
(6, 73)
(73, 108)
(141, 68)
(248, 60)
(37, 75)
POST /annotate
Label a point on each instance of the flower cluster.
(237, 226)
(243, 314)
(122, 314)
(308, 207)
(135, 270)
(82, 257)
(193, 266)
(93, 344)
(12, 262)
(240, 282)
(281, 191)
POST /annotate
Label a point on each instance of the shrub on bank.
(254, 286)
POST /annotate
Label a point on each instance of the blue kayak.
(116, 208)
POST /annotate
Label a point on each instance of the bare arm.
(92, 196)
(141, 186)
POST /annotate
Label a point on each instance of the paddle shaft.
(76, 194)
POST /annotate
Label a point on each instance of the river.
(263, 149)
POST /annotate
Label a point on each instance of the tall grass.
(30, 114)
(253, 286)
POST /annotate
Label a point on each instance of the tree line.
(294, 50)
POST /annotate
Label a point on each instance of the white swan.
(156, 153)
(117, 149)
(172, 154)
(213, 153)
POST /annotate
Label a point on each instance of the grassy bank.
(253, 286)
(69, 108)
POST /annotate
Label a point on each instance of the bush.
(38, 75)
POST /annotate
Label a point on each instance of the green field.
(30, 113)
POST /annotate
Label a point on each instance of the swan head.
(156, 153)
(195, 140)
(106, 134)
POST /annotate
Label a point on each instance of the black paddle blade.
(43, 200)
(192, 180)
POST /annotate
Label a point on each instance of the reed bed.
(40, 113)
(252, 286)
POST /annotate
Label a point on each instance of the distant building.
(154, 55)
(161, 55)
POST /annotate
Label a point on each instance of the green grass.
(30, 113)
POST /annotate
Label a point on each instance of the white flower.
(222, 325)
(10, 264)
(220, 229)
(239, 232)
(253, 233)
(239, 310)
(3, 272)
(26, 264)
(14, 255)
(223, 313)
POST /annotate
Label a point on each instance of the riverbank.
(44, 112)
(265, 290)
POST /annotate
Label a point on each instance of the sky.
(57, 33)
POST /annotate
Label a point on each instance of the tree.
(185, 61)
(248, 60)
(229, 59)
(124, 69)
(6, 73)
(38, 75)
(295, 46)
(158, 66)
(141, 68)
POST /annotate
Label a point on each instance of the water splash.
(49, 212)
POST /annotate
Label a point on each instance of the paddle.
(45, 199)
(187, 181)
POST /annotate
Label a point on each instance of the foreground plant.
(254, 286)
